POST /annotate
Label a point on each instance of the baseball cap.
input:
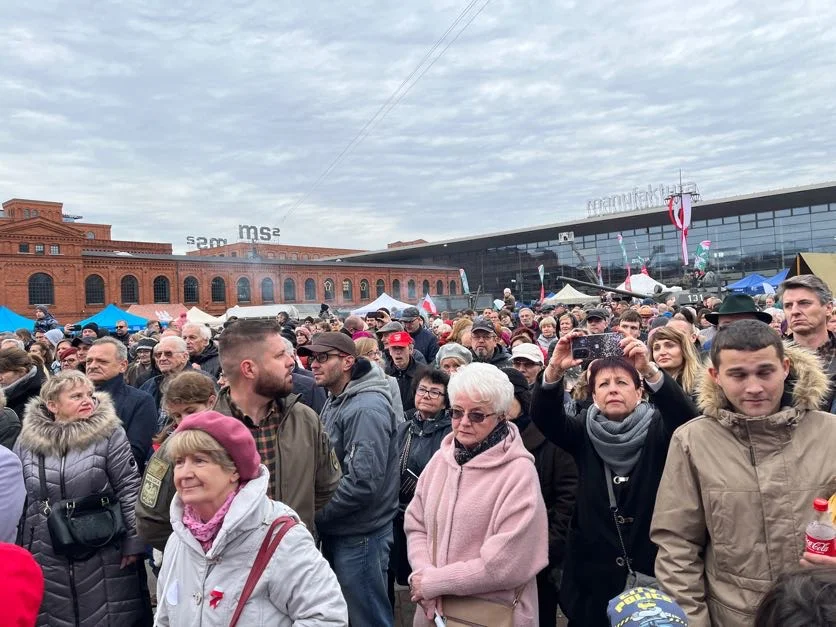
(483, 325)
(325, 342)
(86, 341)
(645, 607)
(409, 314)
(597, 313)
(145, 344)
(401, 338)
(531, 352)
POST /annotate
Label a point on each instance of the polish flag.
(428, 305)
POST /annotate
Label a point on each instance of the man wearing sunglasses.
(122, 334)
(356, 524)
(171, 357)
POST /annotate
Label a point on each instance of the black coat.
(19, 392)
(591, 574)
(209, 361)
(309, 392)
(426, 343)
(138, 413)
(404, 379)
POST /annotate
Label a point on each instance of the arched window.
(380, 287)
(218, 290)
(289, 290)
(348, 291)
(364, 289)
(267, 295)
(90, 235)
(130, 290)
(396, 289)
(425, 287)
(162, 290)
(329, 289)
(410, 290)
(310, 289)
(243, 289)
(41, 289)
(94, 290)
(27, 213)
(191, 290)
(439, 288)
(452, 288)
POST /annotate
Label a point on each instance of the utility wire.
(393, 99)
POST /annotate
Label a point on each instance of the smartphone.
(589, 347)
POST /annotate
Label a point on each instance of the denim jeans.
(361, 563)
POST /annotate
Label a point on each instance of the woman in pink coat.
(477, 525)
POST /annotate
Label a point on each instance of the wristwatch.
(654, 370)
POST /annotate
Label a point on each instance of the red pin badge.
(215, 597)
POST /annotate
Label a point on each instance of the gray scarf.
(619, 443)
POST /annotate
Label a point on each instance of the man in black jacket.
(485, 345)
(202, 352)
(402, 366)
(107, 361)
(425, 342)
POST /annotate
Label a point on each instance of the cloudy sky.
(170, 119)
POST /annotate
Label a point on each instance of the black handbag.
(80, 527)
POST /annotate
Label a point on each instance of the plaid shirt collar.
(274, 411)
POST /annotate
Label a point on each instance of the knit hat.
(303, 330)
(232, 435)
(146, 343)
(66, 353)
(91, 325)
(522, 391)
(42, 308)
(22, 582)
(361, 334)
(451, 350)
(54, 336)
(645, 607)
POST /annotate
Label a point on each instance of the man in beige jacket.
(739, 482)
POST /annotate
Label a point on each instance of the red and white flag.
(428, 305)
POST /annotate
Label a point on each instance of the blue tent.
(110, 315)
(779, 278)
(752, 284)
(10, 321)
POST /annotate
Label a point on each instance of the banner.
(701, 258)
(542, 270)
(679, 211)
(626, 263)
(465, 286)
(428, 305)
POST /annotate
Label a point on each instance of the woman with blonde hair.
(674, 353)
(459, 327)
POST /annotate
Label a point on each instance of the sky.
(170, 119)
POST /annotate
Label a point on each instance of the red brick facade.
(279, 252)
(83, 269)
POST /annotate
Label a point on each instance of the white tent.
(261, 311)
(384, 300)
(644, 284)
(570, 296)
(198, 316)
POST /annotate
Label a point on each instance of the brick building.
(50, 258)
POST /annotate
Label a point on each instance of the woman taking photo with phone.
(620, 444)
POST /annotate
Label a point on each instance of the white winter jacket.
(297, 588)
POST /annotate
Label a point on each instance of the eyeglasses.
(373, 354)
(475, 417)
(323, 357)
(433, 394)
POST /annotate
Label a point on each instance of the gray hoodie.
(12, 494)
(362, 425)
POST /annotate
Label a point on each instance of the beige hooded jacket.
(737, 494)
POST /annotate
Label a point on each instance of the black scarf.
(496, 436)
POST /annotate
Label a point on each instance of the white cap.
(531, 352)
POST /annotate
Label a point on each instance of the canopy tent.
(163, 313)
(752, 284)
(261, 311)
(645, 284)
(384, 300)
(570, 296)
(10, 321)
(110, 315)
(779, 278)
(199, 316)
(823, 265)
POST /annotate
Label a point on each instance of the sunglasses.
(475, 417)
(121, 326)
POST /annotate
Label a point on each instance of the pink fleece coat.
(492, 527)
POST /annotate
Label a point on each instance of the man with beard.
(485, 347)
(290, 438)
(356, 525)
(402, 366)
(202, 352)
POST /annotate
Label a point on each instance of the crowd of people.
(301, 472)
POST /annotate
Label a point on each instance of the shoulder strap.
(42, 480)
(262, 558)
(614, 510)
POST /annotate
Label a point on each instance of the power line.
(393, 99)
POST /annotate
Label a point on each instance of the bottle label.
(820, 547)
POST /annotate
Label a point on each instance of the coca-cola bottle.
(821, 534)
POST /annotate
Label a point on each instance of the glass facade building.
(757, 233)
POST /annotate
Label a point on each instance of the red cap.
(820, 505)
(401, 338)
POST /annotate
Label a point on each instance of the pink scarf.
(205, 532)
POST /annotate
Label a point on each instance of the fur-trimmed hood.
(806, 387)
(42, 435)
